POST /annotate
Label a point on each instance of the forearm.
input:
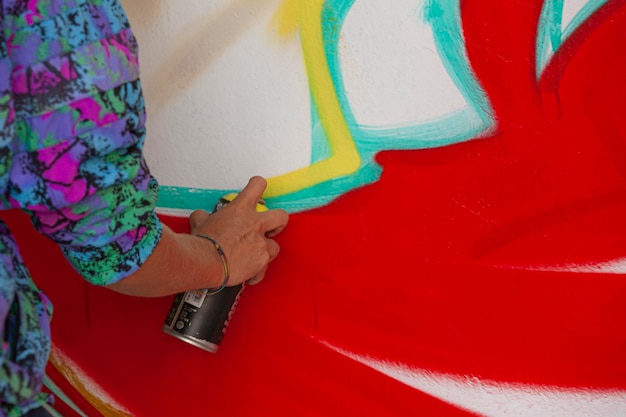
(180, 262)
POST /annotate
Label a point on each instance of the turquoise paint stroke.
(58, 392)
(476, 120)
(472, 122)
(550, 31)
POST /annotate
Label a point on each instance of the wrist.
(180, 262)
(206, 269)
(223, 261)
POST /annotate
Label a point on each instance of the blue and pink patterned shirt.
(72, 127)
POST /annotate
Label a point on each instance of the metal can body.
(201, 319)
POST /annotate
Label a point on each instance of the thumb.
(198, 217)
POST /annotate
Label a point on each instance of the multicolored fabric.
(72, 126)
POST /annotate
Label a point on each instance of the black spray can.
(200, 317)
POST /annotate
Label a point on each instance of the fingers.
(245, 233)
(273, 249)
(274, 221)
(257, 278)
(252, 192)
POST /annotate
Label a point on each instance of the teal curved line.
(445, 20)
(478, 119)
(550, 36)
(59, 393)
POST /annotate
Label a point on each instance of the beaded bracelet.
(220, 252)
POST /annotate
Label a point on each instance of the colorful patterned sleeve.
(79, 117)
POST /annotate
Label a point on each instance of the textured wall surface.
(456, 174)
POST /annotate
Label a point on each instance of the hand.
(244, 234)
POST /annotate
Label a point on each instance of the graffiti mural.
(313, 62)
(457, 245)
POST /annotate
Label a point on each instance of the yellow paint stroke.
(85, 386)
(305, 15)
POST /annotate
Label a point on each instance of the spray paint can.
(199, 317)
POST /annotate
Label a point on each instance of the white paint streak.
(498, 399)
(615, 266)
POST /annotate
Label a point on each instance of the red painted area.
(438, 265)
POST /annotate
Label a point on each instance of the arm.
(78, 169)
(182, 262)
